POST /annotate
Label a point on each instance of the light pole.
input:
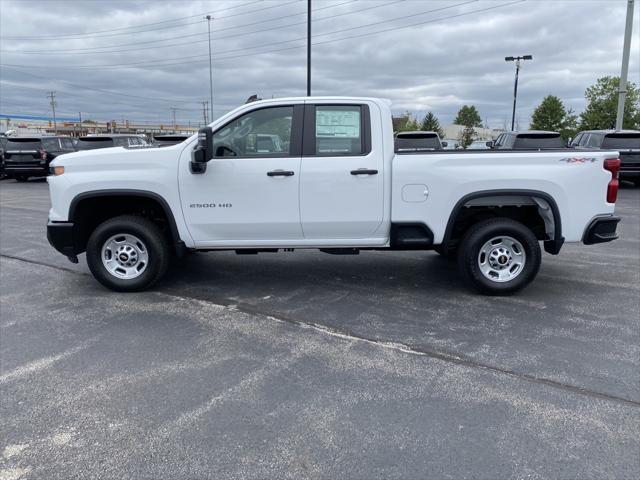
(209, 18)
(515, 85)
(622, 89)
(308, 48)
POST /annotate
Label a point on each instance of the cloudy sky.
(136, 60)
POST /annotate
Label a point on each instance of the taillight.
(43, 154)
(612, 165)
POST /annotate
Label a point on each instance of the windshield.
(539, 141)
(93, 143)
(24, 144)
(622, 140)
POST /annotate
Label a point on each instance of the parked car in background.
(417, 141)
(3, 143)
(26, 157)
(627, 142)
(166, 140)
(478, 145)
(527, 140)
(92, 142)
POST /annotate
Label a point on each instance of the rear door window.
(594, 140)
(338, 130)
(67, 144)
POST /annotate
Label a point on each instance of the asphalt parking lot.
(306, 365)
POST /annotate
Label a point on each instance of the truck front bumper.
(600, 230)
(61, 237)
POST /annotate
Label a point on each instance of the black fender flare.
(173, 228)
(550, 246)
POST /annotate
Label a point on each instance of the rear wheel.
(499, 256)
(21, 178)
(127, 253)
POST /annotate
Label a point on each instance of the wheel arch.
(551, 245)
(151, 198)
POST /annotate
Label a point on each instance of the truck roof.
(533, 132)
(322, 99)
(610, 131)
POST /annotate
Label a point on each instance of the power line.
(154, 63)
(155, 43)
(93, 34)
(101, 90)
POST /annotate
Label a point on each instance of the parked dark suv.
(92, 142)
(418, 141)
(26, 157)
(627, 142)
(527, 140)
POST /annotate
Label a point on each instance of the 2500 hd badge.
(210, 205)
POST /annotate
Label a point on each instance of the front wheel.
(127, 253)
(499, 256)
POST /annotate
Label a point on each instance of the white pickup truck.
(321, 172)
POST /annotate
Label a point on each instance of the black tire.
(481, 233)
(155, 245)
(21, 178)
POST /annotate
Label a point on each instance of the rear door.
(342, 170)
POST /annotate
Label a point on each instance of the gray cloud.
(439, 65)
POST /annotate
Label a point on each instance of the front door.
(341, 182)
(248, 195)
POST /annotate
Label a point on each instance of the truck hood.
(87, 159)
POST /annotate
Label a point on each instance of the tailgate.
(22, 155)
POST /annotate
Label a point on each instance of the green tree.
(466, 137)
(406, 123)
(468, 116)
(549, 115)
(430, 123)
(552, 115)
(570, 127)
(602, 105)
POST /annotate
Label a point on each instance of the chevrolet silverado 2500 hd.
(322, 173)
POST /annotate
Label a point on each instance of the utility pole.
(622, 89)
(173, 111)
(204, 112)
(515, 85)
(209, 18)
(308, 48)
(52, 95)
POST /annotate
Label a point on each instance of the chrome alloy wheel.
(125, 256)
(501, 259)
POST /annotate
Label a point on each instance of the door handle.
(280, 173)
(364, 171)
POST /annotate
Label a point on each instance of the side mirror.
(444, 144)
(489, 144)
(203, 151)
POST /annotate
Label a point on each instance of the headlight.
(56, 170)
